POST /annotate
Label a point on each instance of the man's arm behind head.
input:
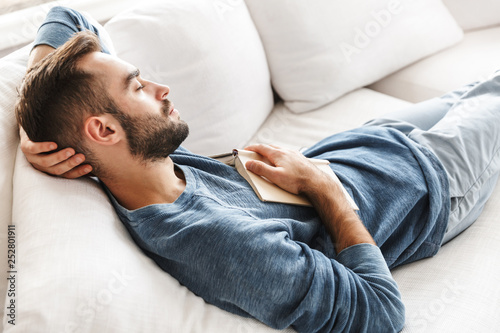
(58, 27)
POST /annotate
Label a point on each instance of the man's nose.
(162, 91)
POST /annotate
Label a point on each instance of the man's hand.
(64, 163)
(293, 172)
(288, 169)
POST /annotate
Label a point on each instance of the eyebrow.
(132, 75)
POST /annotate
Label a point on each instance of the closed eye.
(141, 87)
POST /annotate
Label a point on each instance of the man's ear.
(103, 129)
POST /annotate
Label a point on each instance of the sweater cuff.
(363, 258)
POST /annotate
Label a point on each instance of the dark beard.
(153, 138)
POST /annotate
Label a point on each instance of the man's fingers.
(261, 169)
(261, 148)
(46, 162)
(66, 165)
(69, 168)
(30, 147)
(289, 169)
(77, 172)
(264, 150)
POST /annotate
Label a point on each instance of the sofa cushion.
(12, 68)
(457, 290)
(78, 268)
(475, 58)
(318, 51)
(210, 55)
(80, 271)
(296, 131)
(441, 294)
(476, 14)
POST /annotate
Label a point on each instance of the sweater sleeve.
(60, 25)
(255, 268)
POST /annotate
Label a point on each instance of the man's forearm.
(342, 223)
(38, 53)
(294, 173)
(58, 27)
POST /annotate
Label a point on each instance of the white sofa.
(332, 65)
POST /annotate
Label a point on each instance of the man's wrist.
(38, 53)
(316, 183)
(342, 223)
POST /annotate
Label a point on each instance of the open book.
(267, 191)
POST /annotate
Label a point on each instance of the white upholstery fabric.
(457, 290)
(475, 14)
(318, 51)
(476, 57)
(12, 70)
(296, 131)
(80, 271)
(210, 55)
(88, 269)
(78, 268)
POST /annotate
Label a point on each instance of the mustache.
(166, 105)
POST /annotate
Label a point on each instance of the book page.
(268, 191)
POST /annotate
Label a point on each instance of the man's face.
(152, 125)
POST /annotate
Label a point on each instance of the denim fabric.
(60, 24)
(462, 128)
(275, 262)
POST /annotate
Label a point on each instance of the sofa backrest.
(210, 55)
(320, 50)
(12, 69)
(473, 15)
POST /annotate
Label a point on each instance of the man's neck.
(142, 185)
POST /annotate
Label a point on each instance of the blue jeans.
(462, 128)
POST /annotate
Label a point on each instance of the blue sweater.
(276, 262)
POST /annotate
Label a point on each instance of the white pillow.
(320, 50)
(80, 271)
(475, 14)
(209, 53)
(12, 69)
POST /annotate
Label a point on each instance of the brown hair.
(56, 96)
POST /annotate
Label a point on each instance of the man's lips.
(172, 110)
(169, 108)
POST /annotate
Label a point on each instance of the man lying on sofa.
(419, 177)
